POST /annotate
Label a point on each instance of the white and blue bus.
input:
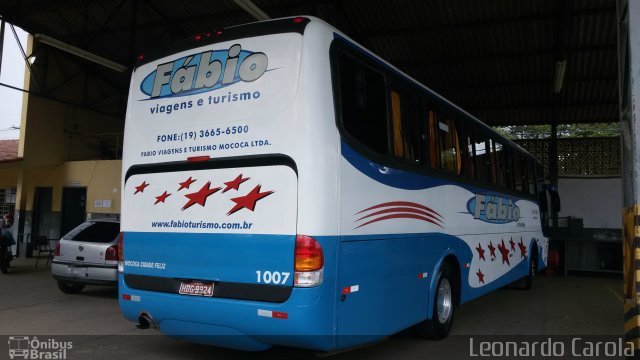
(282, 185)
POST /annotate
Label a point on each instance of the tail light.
(309, 262)
(112, 253)
(120, 250)
(58, 248)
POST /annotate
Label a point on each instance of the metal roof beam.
(252, 9)
(483, 23)
(602, 103)
(505, 55)
(523, 83)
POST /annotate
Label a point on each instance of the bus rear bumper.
(302, 321)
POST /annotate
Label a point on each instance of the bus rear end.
(210, 249)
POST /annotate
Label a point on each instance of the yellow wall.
(100, 177)
(57, 132)
(9, 174)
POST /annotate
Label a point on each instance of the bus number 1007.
(272, 277)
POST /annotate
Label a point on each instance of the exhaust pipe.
(145, 322)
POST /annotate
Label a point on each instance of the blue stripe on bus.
(406, 180)
(389, 176)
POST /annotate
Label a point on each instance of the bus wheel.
(533, 269)
(443, 308)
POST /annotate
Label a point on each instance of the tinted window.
(443, 141)
(99, 232)
(519, 176)
(468, 158)
(483, 162)
(531, 177)
(363, 104)
(405, 137)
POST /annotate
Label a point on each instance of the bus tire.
(439, 326)
(70, 287)
(533, 269)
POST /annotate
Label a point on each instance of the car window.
(100, 232)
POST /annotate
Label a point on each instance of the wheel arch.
(451, 259)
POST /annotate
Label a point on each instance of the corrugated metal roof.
(495, 58)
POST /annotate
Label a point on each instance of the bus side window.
(363, 104)
(482, 157)
(405, 141)
(470, 154)
(510, 168)
(493, 162)
(449, 145)
(531, 177)
(432, 140)
(517, 172)
(500, 164)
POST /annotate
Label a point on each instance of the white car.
(88, 254)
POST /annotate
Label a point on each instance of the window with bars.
(7, 200)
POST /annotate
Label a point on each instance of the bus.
(282, 185)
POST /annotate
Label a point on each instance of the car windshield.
(99, 232)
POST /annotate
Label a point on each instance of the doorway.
(42, 214)
(74, 206)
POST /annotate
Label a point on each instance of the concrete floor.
(31, 304)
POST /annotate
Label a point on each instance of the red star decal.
(200, 196)
(162, 198)
(505, 253)
(249, 201)
(480, 276)
(523, 249)
(185, 184)
(235, 183)
(141, 187)
(513, 245)
(492, 249)
(480, 252)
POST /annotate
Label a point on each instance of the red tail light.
(308, 254)
(112, 253)
(120, 249)
(298, 20)
(58, 248)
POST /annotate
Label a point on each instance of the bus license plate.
(196, 288)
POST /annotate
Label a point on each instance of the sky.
(11, 73)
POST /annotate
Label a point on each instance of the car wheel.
(70, 287)
(3, 267)
(443, 308)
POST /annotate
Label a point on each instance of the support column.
(628, 17)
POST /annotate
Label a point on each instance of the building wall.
(598, 201)
(101, 178)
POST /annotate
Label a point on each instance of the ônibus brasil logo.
(205, 71)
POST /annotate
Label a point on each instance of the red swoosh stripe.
(400, 216)
(402, 210)
(402, 203)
